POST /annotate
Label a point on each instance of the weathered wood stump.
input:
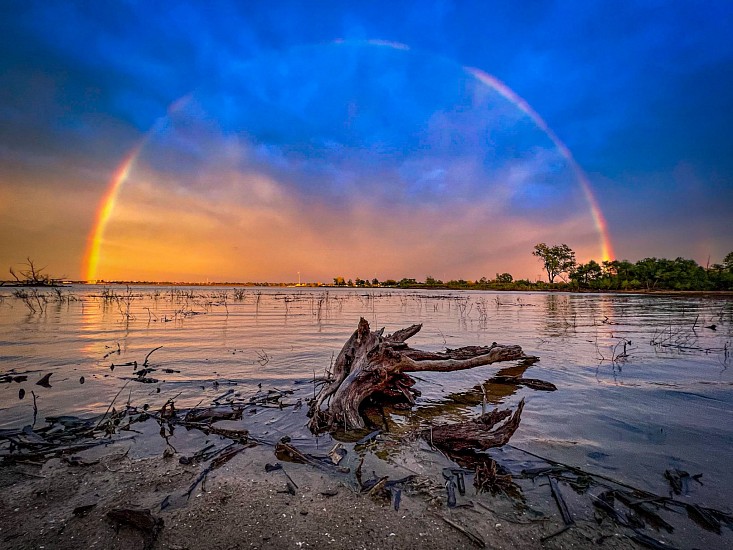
(480, 433)
(373, 365)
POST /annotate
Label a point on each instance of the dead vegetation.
(371, 365)
(32, 275)
(376, 369)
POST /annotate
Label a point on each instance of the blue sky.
(640, 92)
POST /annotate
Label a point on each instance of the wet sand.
(242, 506)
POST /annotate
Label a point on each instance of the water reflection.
(657, 401)
(560, 317)
(455, 406)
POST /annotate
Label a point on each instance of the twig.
(185, 418)
(35, 409)
(61, 450)
(478, 541)
(110, 405)
(578, 470)
(561, 504)
(648, 496)
(145, 363)
(215, 463)
(290, 478)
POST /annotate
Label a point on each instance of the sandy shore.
(243, 506)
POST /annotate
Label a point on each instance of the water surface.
(643, 381)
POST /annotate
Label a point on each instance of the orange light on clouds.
(225, 224)
(160, 233)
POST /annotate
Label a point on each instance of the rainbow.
(95, 240)
(104, 213)
(509, 94)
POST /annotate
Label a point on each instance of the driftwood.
(478, 434)
(371, 365)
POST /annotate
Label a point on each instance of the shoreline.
(154, 493)
(243, 504)
(313, 286)
(59, 505)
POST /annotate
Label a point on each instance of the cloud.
(422, 179)
(228, 224)
(634, 90)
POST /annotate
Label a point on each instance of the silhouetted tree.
(728, 261)
(585, 274)
(504, 278)
(31, 275)
(556, 259)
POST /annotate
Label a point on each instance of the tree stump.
(373, 365)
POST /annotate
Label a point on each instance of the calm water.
(668, 402)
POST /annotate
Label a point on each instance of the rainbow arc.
(95, 240)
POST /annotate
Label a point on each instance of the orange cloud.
(249, 227)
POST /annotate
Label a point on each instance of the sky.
(267, 141)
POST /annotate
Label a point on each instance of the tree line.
(565, 273)
(646, 274)
(559, 263)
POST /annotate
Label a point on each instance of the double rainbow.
(95, 240)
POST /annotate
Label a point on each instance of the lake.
(644, 383)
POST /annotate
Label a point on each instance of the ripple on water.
(641, 386)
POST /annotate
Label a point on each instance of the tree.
(585, 274)
(504, 278)
(32, 275)
(339, 281)
(721, 275)
(728, 261)
(556, 259)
